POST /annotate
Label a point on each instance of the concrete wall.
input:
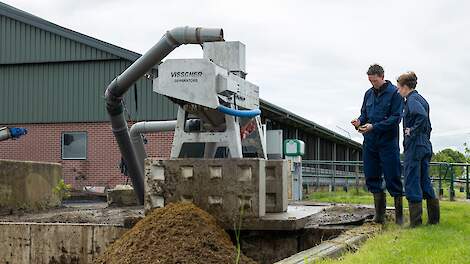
(51, 243)
(226, 188)
(28, 185)
(276, 186)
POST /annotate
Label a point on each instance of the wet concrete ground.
(341, 215)
(79, 212)
(306, 214)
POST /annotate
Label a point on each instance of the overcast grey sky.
(308, 56)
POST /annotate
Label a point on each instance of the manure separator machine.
(218, 109)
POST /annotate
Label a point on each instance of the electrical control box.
(294, 147)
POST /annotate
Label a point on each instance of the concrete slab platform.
(121, 195)
(310, 215)
(295, 218)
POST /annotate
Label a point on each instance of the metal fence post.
(467, 182)
(451, 187)
(357, 182)
(333, 176)
(440, 191)
(317, 174)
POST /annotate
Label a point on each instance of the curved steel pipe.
(147, 127)
(119, 86)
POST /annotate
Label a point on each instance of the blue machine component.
(17, 132)
(240, 113)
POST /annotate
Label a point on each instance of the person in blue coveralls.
(379, 121)
(418, 152)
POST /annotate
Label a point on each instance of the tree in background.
(466, 151)
(449, 156)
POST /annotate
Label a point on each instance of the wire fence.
(446, 177)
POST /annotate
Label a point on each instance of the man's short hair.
(409, 79)
(375, 69)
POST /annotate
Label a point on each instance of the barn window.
(74, 145)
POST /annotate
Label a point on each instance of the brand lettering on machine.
(180, 74)
(186, 76)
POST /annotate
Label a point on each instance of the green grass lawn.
(448, 242)
(362, 197)
(352, 196)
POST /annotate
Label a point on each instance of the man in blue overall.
(418, 152)
(381, 114)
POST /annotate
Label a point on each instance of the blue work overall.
(418, 148)
(383, 109)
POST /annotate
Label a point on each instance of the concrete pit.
(245, 195)
(80, 232)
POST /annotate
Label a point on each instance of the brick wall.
(43, 143)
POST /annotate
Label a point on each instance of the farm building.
(52, 81)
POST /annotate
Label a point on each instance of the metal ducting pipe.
(119, 86)
(147, 127)
(140, 128)
(4, 133)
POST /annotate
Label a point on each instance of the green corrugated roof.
(27, 18)
(24, 43)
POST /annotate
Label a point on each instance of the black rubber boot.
(434, 212)
(416, 211)
(399, 210)
(380, 204)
